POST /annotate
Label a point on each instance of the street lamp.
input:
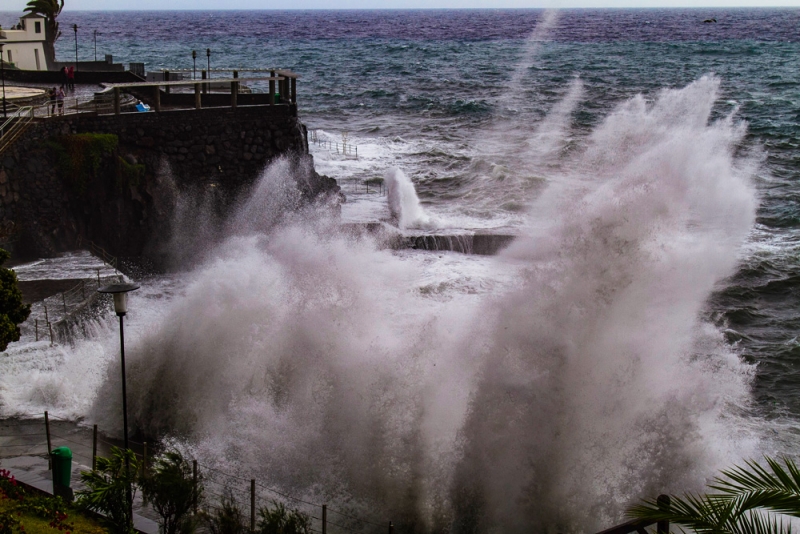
(120, 292)
(3, 75)
(194, 64)
(95, 45)
(208, 55)
(75, 29)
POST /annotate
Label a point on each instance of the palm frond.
(777, 490)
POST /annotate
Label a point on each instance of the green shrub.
(12, 310)
(229, 518)
(107, 488)
(170, 489)
(80, 155)
(280, 520)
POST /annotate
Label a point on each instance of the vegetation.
(280, 520)
(21, 512)
(12, 310)
(49, 9)
(107, 489)
(130, 174)
(752, 499)
(170, 488)
(228, 518)
(80, 155)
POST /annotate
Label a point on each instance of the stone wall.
(216, 153)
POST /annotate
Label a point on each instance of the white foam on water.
(544, 389)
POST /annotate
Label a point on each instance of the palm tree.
(748, 500)
(49, 9)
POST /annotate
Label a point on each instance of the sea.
(638, 335)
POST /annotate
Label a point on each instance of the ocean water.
(640, 334)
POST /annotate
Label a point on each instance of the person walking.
(64, 77)
(71, 77)
(52, 94)
(60, 100)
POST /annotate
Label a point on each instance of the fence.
(248, 494)
(344, 148)
(58, 309)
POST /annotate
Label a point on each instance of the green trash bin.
(62, 466)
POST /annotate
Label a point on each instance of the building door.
(36, 55)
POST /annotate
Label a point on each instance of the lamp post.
(194, 64)
(120, 292)
(95, 45)
(3, 75)
(208, 56)
(75, 29)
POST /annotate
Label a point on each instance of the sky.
(77, 5)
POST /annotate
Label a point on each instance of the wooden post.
(197, 104)
(234, 90)
(324, 519)
(94, 448)
(117, 107)
(294, 90)
(98, 277)
(391, 528)
(252, 505)
(46, 317)
(203, 76)
(49, 444)
(271, 88)
(36, 323)
(166, 79)
(157, 98)
(194, 481)
(663, 501)
(50, 326)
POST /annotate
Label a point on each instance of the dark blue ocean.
(484, 111)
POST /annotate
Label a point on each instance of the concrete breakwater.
(116, 180)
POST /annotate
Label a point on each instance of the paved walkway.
(23, 448)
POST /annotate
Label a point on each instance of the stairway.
(14, 126)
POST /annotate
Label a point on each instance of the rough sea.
(640, 334)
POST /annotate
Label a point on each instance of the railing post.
(391, 528)
(234, 90)
(166, 79)
(324, 519)
(197, 104)
(49, 445)
(117, 106)
(157, 98)
(194, 486)
(271, 88)
(203, 76)
(94, 448)
(252, 505)
(36, 326)
(663, 501)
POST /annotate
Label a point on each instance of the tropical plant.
(107, 489)
(228, 518)
(749, 499)
(170, 488)
(49, 9)
(12, 310)
(280, 520)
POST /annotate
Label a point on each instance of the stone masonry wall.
(217, 151)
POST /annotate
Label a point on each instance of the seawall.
(125, 198)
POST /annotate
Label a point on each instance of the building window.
(37, 26)
(36, 55)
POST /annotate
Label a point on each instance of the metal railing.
(14, 126)
(348, 150)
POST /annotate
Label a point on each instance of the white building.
(23, 45)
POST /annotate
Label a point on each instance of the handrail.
(639, 525)
(13, 127)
